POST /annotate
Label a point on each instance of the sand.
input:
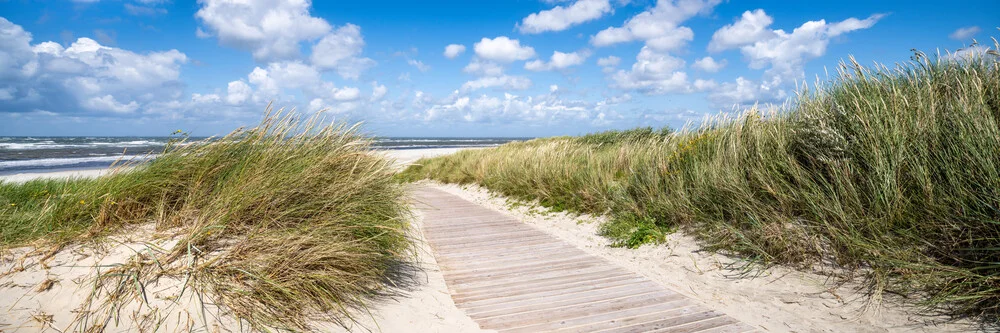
(26, 176)
(779, 299)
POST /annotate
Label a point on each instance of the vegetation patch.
(890, 172)
(281, 224)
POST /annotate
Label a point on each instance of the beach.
(43, 291)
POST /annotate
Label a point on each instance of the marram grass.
(281, 224)
(890, 173)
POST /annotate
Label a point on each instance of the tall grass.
(891, 173)
(280, 224)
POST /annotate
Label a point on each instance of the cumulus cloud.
(237, 92)
(503, 49)
(108, 103)
(964, 33)
(340, 51)
(745, 91)
(751, 27)
(784, 53)
(86, 75)
(654, 73)
(346, 94)
(205, 98)
(271, 29)
(708, 64)
(483, 68)
(503, 81)
(658, 27)
(562, 17)
(378, 91)
(609, 63)
(419, 65)
(558, 61)
(453, 50)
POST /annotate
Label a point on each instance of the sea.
(47, 154)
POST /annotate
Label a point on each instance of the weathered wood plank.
(510, 276)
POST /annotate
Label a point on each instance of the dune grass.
(280, 224)
(890, 175)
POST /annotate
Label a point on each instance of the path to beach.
(511, 277)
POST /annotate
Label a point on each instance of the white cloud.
(346, 94)
(419, 65)
(340, 50)
(144, 10)
(964, 33)
(654, 73)
(271, 29)
(237, 92)
(15, 49)
(453, 50)
(504, 81)
(378, 91)
(206, 98)
(201, 33)
(785, 53)
(658, 27)
(84, 76)
(108, 103)
(503, 49)
(744, 91)
(609, 63)
(709, 65)
(510, 108)
(316, 104)
(704, 85)
(483, 68)
(558, 61)
(750, 28)
(560, 18)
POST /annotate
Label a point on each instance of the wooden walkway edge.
(511, 277)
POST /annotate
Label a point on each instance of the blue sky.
(439, 68)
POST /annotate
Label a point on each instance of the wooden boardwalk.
(511, 277)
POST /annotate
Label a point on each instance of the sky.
(441, 68)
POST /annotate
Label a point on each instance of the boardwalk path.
(509, 276)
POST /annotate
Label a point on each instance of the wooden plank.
(536, 279)
(541, 295)
(546, 303)
(571, 325)
(511, 276)
(574, 311)
(541, 290)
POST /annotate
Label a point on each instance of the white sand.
(83, 173)
(778, 300)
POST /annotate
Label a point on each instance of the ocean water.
(43, 154)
